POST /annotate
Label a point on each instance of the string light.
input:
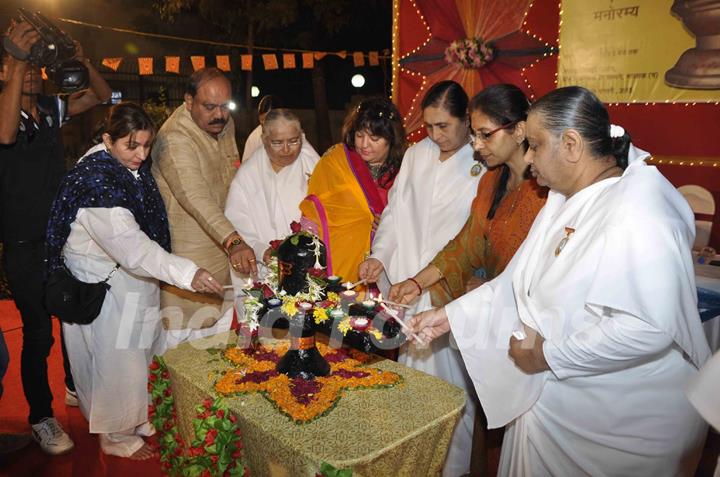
(395, 62)
(529, 32)
(685, 163)
(413, 73)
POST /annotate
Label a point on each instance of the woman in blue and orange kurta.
(348, 189)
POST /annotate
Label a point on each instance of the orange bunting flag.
(198, 62)
(222, 62)
(112, 63)
(374, 58)
(342, 54)
(358, 58)
(246, 62)
(270, 61)
(319, 55)
(308, 61)
(145, 66)
(172, 64)
(288, 61)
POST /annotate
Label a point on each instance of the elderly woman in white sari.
(266, 192)
(108, 220)
(584, 344)
(428, 204)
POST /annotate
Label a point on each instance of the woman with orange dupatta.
(348, 189)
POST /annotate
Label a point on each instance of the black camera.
(54, 51)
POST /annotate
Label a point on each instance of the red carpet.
(86, 460)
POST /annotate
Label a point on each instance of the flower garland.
(470, 53)
(216, 449)
(163, 416)
(302, 400)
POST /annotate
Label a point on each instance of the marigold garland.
(301, 400)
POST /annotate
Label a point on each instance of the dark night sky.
(294, 86)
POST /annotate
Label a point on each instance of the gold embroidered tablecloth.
(400, 431)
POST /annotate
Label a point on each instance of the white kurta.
(617, 307)
(110, 356)
(428, 205)
(253, 143)
(262, 203)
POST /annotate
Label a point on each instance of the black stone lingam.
(303, 358)
(297, 255)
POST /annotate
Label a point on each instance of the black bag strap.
(112, 272)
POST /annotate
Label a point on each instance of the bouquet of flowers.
(469, 53)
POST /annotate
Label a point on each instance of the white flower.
(616, 131)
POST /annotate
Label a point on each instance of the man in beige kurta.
(193, 161)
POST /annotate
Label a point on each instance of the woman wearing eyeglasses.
(507, 201)
(349, 188)
(268, 187)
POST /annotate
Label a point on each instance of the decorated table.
(371, 415)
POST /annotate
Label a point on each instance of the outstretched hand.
(430, 324)
(204, 282)
(242, 259)
(370, 270)
(404, 292)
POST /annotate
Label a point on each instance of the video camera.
(54, 51)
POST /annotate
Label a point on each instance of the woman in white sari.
(428, 205)
(584, 344)
(109, 220)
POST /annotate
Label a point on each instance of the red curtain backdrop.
(424, 28)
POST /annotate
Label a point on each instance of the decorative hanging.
(246, 62)
(470, 53)
(270, 61)
(112, 63)
(308, 61)
(358, 59)
(222, 62)
(198, 62)
(288, 61)
(172, 64)
(145, 66)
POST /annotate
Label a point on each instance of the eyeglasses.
(290, 143)
(484, 136)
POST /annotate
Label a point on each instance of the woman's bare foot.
(143, 453)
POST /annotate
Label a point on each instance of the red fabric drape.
(663, 129)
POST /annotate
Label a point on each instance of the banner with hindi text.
(623, 49)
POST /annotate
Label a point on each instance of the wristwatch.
(234, 243)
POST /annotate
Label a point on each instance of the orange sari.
(483, 243)
(342, 200)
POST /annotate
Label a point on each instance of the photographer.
(31, 166)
